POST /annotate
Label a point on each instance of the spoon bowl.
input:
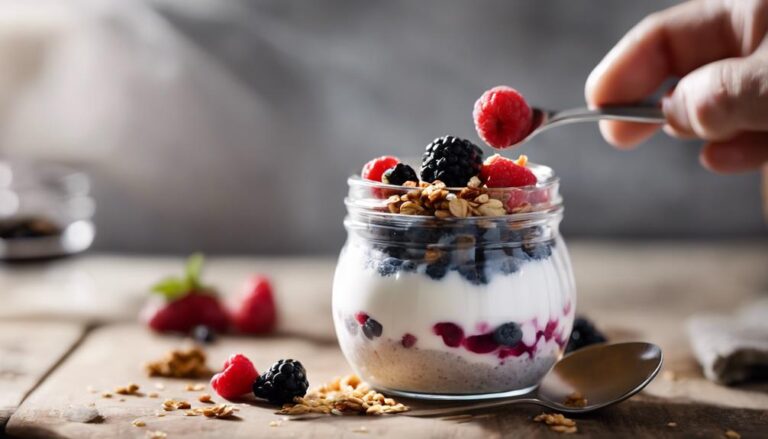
(602, 374)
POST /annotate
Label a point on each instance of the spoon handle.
(633, 113)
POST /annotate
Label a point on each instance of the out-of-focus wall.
(230, 126)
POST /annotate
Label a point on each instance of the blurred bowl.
(45, 210)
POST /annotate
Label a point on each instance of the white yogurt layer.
(412, 302)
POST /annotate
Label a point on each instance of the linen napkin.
(732, 348)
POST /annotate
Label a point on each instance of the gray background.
(231, 125)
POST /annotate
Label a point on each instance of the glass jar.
(454, 308)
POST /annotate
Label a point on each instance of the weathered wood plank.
(28, 350)
(111, 356)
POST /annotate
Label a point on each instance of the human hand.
(719, 50)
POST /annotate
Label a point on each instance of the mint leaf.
(171, 287)
(193, 269)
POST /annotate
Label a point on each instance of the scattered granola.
(218, 411)
(575, 399)
(275, 423)
(188, 363)
(106, 395)
(156, 435)
(671, 424)
(153, 395)
(361, 429)
(130, 389)
(204, 398)
(138, 423)
(348, 395)
(196, 387)
(172, 404)
(557, 422)
(730, 434)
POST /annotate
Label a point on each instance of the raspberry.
(182, 315)
(361, 317)
(236, 379)
(502, 117)
(452, 333)
(499, 171)
(374, 169)
(257, 313)
(408, 340)
(481, 344)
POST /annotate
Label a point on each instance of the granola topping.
(557, 422)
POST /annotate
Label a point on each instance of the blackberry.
(372, 329)
(584, 334)
(284, 381)
(451, 160)
(508, 334)
(399, 174)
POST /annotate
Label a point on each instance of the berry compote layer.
(466, 306)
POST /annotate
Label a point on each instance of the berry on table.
(451, 160)
(284, 381)
(184, 302)
(584, 333)
(203, 334)
(498, 171)
(502, 117)
(236, 378)
(399, 174)
(374, 169)
(256, 313)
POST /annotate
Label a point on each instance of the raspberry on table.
(374, 169)
(236, 379)
(502, 117)
(498, 171)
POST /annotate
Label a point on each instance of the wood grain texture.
(112, 356)
(28, 350)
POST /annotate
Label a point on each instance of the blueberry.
(539, 250)
(437, 270)
(408, 266)
(508, 334)
(372, 329)
(203, 334)
(389, 266)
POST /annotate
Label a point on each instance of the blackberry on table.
(399, 174)
(584, 334)
(284, 381)
(451, 160)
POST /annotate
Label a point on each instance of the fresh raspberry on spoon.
(502, 117)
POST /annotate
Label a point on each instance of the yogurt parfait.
(454, 292)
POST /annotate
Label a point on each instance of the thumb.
(719, 100)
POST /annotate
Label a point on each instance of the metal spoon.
(603, 374)
(545, 119)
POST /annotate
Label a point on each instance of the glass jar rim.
(371, 197)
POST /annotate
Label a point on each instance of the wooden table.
(68, 331)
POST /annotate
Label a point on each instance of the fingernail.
(674, 110)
